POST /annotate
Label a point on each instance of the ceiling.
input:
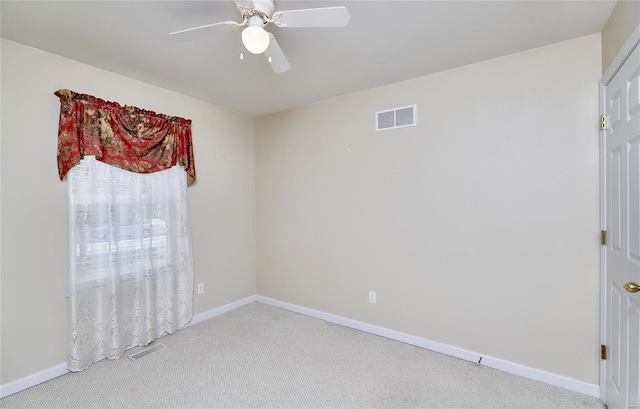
(385, 42)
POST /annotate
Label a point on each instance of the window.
(130, 257)
(124, 248)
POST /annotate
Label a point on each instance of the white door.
(621, 98)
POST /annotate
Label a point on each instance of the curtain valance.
(126, 137)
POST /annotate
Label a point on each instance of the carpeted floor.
(262, 356)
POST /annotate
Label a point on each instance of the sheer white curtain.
(131, 263)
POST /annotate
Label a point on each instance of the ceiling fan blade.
(276, 57)
(322, 17)
(202, 31)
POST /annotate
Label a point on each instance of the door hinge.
(603, 237)
(603, 352)
(604, 122)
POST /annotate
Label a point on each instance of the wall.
(624, 18)
(478, 228)
(34, 201)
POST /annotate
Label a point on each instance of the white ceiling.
(385, 42)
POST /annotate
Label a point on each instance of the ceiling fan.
(256, 15)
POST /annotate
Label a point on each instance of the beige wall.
(478, 228)
(34, 201)
(624, 18)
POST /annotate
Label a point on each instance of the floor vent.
(396, 118)
(147, 352)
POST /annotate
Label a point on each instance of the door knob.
(632, 287)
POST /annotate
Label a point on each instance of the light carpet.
(259, 356)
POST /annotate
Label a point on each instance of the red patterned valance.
(125, 137)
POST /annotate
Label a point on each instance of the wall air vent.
(396, 118)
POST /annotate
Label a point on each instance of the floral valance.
(126, 137)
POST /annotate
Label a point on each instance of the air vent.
(147, 352)
(396, 118)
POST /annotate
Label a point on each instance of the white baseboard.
(32, 380)
(221, 310)
(491, 362)
(488, 361)
(58, 370)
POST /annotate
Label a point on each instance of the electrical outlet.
(200, 288)
(372, 297)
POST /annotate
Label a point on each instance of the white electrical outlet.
(372, 297)
(200, 288)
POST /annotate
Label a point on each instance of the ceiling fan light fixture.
(255, 39)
